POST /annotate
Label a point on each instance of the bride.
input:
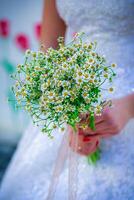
(111, 24)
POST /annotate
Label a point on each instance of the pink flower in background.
(38, 30)
(4, 28)
(22, 41)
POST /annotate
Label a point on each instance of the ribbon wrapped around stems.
(65, 152)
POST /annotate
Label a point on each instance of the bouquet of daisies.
(59, 85)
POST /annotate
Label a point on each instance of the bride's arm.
(131, 100)
(52, 25)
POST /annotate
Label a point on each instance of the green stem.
(92, 122)
(94, 157)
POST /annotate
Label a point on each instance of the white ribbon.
(63, 152)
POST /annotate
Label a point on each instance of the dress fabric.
(111, 24)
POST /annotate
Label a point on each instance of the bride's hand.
(110, 123)
(113, 120)
(85, 145)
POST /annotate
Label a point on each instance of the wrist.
(129, 105)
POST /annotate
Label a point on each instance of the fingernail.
(86, 139)
(97, 143)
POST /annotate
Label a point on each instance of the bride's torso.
(111, 24)
(98, 17)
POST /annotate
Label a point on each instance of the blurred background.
(19, 29)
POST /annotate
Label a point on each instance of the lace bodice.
(111, 24)
(99, 17)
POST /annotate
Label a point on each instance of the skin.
(109, 124)
(52, 25)
(112, 120)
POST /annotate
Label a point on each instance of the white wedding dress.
(111, 23)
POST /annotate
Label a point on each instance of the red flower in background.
(22, 41)
(38, 30)
(4, 28)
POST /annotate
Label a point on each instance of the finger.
(88, 148)
(99, 119)
(105, 124)
(82, 141)
(86, 119)
(102, 127)
(92, 139)
(106, 133)
(99, 128)
(85, 147)
(85, 132)
(98, 132)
